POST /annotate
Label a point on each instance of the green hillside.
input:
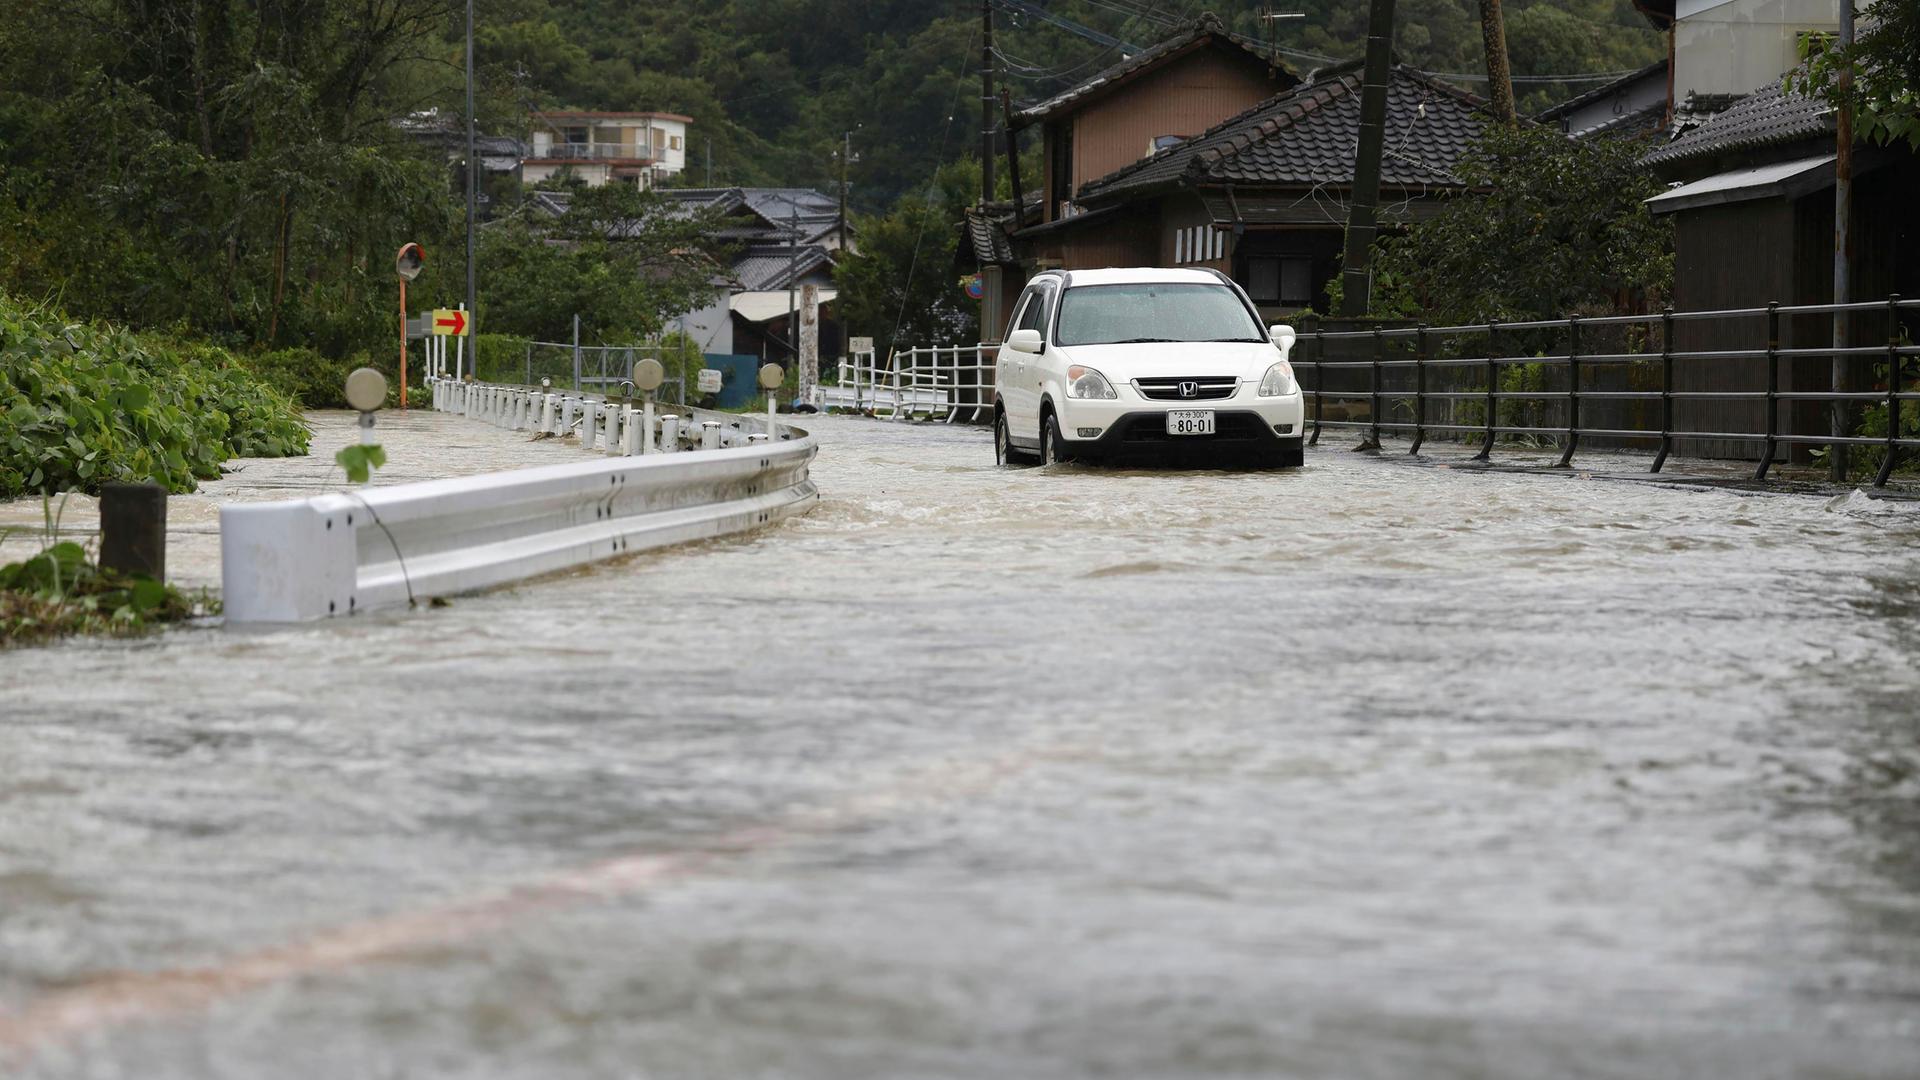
(775, 83)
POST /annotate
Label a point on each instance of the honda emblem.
(1189, 388)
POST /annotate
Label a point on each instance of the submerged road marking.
(125, 998)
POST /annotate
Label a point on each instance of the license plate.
(1190, 422)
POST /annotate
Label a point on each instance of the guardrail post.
(1420, 357)
(1773, 390)
(1493, 403)
(1666, 388)
(1893, 390)
(1573, 390)
(617, 429)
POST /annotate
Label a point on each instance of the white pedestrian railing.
(359, 550)
(949, 382)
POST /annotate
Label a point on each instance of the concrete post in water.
(589, 423)
(710, 435)
(669, 434)
(810, 344)
(133, 529)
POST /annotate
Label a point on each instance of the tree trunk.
(279, 269)
(1493, 29)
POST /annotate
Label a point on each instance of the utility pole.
(1493, 31)
(846, 155)
(473, 171)
(1842, 249)
(987, 101)
(1355, 275)
(793, 265)
(709, 161)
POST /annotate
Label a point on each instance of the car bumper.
(1268, 432)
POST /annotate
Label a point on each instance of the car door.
(1022, 392)
(1011, 370)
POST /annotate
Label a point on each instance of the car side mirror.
(1027, 341)
(1283, 336)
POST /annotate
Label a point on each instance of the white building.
(604, 147)
(1734, 47)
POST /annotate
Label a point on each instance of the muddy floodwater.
(1365, 770)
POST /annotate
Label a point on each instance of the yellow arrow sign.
(450, 322)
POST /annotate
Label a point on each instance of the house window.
(674, 142)
(1288, 282)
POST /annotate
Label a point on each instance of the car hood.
(1122, 363)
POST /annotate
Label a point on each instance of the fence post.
(1773, 390)
(1493, 383)
(1419, 389)
(1666, 388)
(1573, 390)
(576, 353)
(1373, 393)
(1893, 389)
(529, 361)
(1319, 382)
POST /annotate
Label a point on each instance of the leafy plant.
(1551, 226)
(83, 405)
(359, 460)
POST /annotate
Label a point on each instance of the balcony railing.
(590, 152)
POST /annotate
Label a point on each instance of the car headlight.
(1278, 381)
(1084, 382)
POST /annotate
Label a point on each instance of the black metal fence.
(1619, 380)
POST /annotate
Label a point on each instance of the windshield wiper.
(1254, 340)
(1141, 341)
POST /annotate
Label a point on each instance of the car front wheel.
(1053, 450)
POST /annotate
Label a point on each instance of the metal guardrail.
(1430, 353)
(359, 550)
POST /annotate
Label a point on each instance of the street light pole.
(473, 166)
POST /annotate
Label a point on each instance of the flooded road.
(1365, 770)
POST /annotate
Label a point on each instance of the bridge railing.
(967, 371)
(1665, 378)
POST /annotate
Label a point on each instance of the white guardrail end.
(350, 552)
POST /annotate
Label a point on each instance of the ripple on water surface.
(1363, 770)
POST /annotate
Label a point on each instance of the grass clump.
(61, 591)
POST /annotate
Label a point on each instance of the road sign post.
(407, 264)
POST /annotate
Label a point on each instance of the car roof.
(1136, 275)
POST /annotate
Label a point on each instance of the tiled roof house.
(1263, 194)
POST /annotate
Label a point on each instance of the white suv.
(1144, 363)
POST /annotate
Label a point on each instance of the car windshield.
(1154, 311)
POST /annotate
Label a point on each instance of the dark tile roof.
(1307, 136)
(1206, 31)
(987, 234)
(1767, 117)
(1647, 122)
(1598, 93)
(764, 267)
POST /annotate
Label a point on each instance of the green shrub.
(82, 405)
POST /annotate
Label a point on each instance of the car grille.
(1206, 388)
